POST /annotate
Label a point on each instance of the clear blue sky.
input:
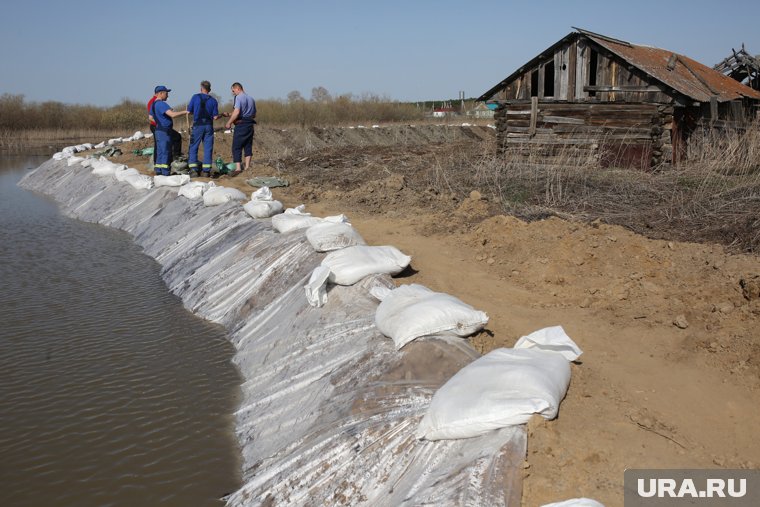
(99, 52)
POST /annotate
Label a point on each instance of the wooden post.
(533, 116)
(713, 108)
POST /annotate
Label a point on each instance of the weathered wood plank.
(533, 114)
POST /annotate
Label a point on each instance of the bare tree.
(320, 94)
(295, 96)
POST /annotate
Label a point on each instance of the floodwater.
(111, 393)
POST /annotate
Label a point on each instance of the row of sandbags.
(69, 151)
(504, 387)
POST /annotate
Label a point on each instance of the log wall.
(627, 135)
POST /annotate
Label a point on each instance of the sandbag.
(316, 287)
(100, 145)
(262, 194)
(114, 141)
(219, 195)
(121, 174)
(137, 135)
(349, 265)
(575, 502)
(74, 160)
(176, 180)
(327, 236)
(263, 209)
(139, 181)
(194, 189)
(104, 167)
(413, 311)
(293, 219)
(503, 388)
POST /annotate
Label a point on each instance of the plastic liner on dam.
(329, 407)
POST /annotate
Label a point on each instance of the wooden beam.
(624, 88)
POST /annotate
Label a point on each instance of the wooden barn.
(626, 104)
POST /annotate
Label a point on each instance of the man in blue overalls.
(243, 117)
(163, 115)
(205, 109)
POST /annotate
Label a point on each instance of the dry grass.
(713, 197)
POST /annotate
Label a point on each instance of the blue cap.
(161, 88)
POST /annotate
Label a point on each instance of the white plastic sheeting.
(328, 407)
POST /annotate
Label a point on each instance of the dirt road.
(670, 330)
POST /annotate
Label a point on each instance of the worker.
(152, 122)
(164, 116)
(244, 118)
(205, 109)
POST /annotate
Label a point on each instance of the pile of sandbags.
(262, 205)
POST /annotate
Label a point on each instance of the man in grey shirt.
(244, 118)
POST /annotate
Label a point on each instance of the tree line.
(16, 113)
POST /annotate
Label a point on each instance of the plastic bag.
(316, 288)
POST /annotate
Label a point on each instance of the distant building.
(442, 112)
(632, 105)
(482, 110)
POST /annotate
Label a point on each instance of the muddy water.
(111, 393)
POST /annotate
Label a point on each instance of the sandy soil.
(670, 373)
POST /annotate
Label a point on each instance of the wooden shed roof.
(680, 73)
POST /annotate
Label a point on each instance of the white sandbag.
(263, 209)
(82, 147)
(337, 219)
(86, 146)
(139, 181)
(575, 502)
(316, 288)
(104, 167)
(503, 388)
(194, 189)
(262, 194)
(122, 173)
(148, 136)
(69, 150)
(220, 195)
(137, 135)
(328, 236)
(74, 160)
(100, 145)
(115, 141)
(176, 180)
(413, 311)
(293, 219)
(60, 155)
(349, 265)
(551, 339)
